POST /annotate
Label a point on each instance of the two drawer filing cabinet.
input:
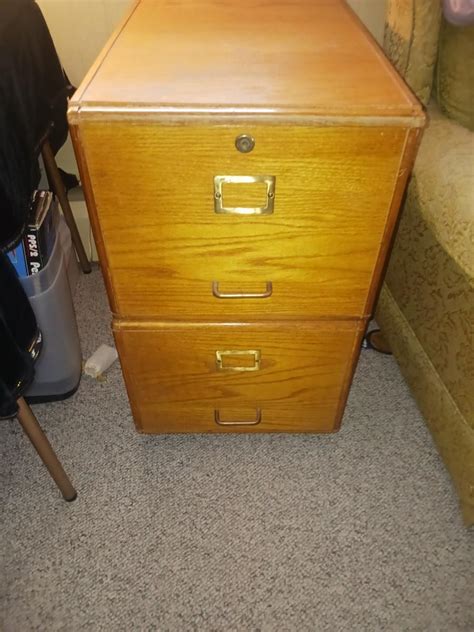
(243, 163)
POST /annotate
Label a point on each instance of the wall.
(80, 28)
(372, 14)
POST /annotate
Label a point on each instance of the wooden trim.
(124, 324)
(91, 209)
(144, 321)
(182, 115)
(412, 142)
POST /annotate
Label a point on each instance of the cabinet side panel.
(82, 164)
(407, 161)
(351, 366)
(128, 376)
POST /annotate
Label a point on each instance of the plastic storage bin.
(59, 366)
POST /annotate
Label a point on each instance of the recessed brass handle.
(218, 420)
(220, 355)
(265, 294)
(268, 181)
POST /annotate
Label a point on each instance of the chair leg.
(57, 186)
(41, 444)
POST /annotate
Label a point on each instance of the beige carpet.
(354, 531)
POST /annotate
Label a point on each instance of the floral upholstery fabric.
(434, 292)
(411, 42)
(444, 180)
(453, 436)
(426, 308)
(455, 73)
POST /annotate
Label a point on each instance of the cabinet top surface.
(274, 57)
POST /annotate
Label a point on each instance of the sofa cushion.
(453, 435)
(444, 181)
(437, 300)
(455, 73)
(430, 274)
(411, 41)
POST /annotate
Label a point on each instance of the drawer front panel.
(287, 377)
(321, 197)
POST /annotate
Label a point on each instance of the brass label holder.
(220, 355)
(267, 209)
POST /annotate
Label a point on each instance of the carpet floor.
(354, 531)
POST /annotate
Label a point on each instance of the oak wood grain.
(90, 203)
(153, 123)
(412, 144)
(310, 56)
(165, 245)
(176, 385)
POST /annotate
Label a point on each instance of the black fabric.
(70, 180)
(18, 331)
(33, 104)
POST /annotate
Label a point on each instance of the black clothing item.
(70, 180)
(33, 104)
(18, 339)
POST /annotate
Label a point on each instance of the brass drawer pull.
(268, 181)
(218, 294)
(258, 419)
(220, 355)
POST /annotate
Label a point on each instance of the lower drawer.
(259, 377)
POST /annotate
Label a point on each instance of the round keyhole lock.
(245, 143)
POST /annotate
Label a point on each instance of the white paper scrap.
(100, 361)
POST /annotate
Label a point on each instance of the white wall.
(372, 14)
(80, 29)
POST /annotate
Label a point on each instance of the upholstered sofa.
(426, 306)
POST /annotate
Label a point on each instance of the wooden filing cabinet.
(243, 164)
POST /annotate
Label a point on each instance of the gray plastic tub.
(59, 366)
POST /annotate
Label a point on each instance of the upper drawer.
(311, 252)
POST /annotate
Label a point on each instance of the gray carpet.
(354, 531)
